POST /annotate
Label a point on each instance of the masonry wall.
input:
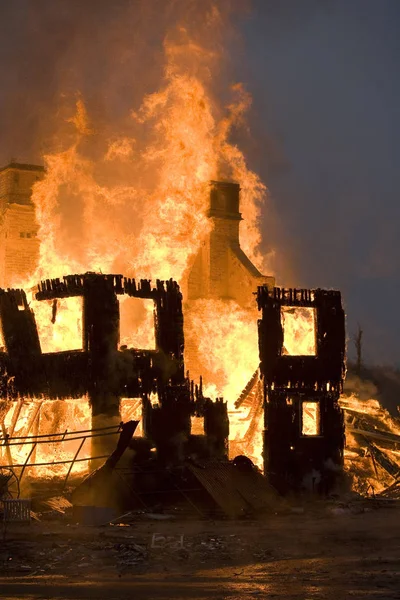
(19, 244)
(222, 270)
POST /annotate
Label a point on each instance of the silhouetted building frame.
(293, 459)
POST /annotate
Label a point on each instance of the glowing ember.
(131, 410)
(366, 473)
(2, 343)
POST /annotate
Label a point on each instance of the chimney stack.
(224, 200)
(221, 269)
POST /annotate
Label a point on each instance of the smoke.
(52, 50)
(112, 53)
(364, 389)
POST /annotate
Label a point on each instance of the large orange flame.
(152, 225)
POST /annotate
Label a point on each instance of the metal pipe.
(73, 461)
(47, 441)
(24, 437)
(26, 461)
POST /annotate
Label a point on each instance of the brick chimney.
(19, 245)
(221, 269)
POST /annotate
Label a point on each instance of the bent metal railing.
(53, 438)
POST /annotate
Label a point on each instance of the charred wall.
(101, 370)
(304, 425)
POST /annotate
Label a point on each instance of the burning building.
(80, 339)
(134, 197)
(101, 363)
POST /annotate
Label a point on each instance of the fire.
(153, 223)
(366, 473)
(152, 226)
(310, 418)
(59, 323)
(298, 324)
(42, 418)
(137, 323)
(227, 345)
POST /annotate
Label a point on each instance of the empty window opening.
(59, 323)
(137, 327)
(197, 425)
(298, 324)
(310, 420)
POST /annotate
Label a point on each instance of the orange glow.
(40, 417)
(298, 331)
(59, 323)
(153, 226)
(227, 344)
(2, 342)
(367, 475)
(137, 327)
(310, 424)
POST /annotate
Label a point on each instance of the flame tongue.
(154, 222)
(153, 226)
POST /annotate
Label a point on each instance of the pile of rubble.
(372, 456)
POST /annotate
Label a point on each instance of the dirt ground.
(330, 551)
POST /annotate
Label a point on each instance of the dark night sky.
(325, 124)
(326, 87)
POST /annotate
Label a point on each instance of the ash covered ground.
(321, 550)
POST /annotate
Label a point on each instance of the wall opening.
(137, 326)
(197, 425)
(298, 324)
(59, 323)
(2, 342)
(310, 418)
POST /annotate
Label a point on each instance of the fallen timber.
(383, 436)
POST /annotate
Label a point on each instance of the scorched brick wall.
(19, 244)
